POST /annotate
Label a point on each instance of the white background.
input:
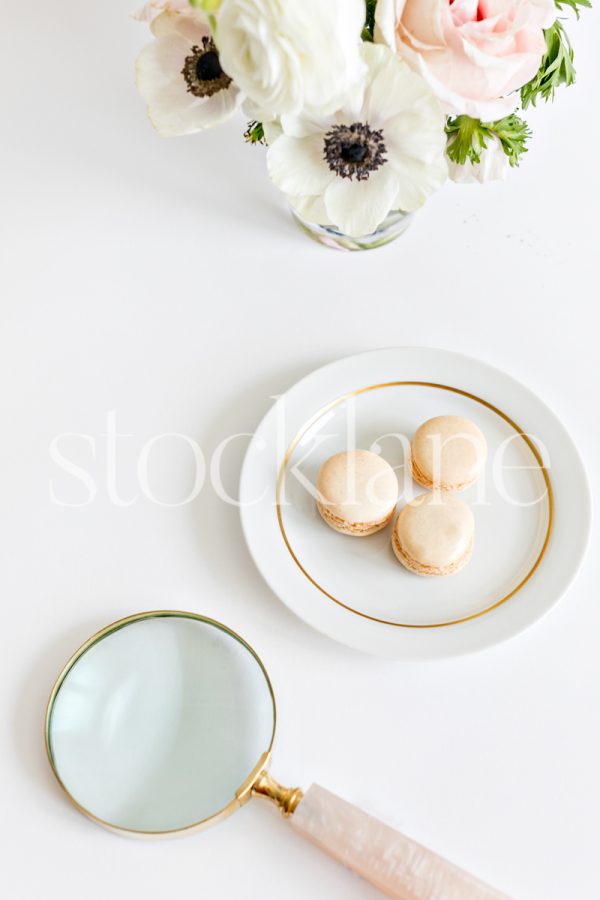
(165, 281)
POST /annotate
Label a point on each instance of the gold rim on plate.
(443, 387)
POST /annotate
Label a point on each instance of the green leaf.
(369, 29)
(513, 133)
(555, 70)
(574, 5)
(255, 133)
(468, 137)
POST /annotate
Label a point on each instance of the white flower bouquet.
(365, 106)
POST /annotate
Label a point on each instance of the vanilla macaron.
(357, 492)
(448, 453)
(433, 535)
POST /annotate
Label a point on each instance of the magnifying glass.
(163, 723)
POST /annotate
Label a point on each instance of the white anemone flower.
(493, 165)
(153, 8)
(180, 77)
(383, 151)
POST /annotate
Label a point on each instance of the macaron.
(448, 453)
(357, 492)
(433, 535)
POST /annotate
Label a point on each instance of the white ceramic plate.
(531, 506)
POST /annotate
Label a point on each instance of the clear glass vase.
(395, 224)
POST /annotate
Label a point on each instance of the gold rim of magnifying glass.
(258, 781)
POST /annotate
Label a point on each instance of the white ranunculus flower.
(180, 77)
(493, 165)
(292, 56)
(383, 150)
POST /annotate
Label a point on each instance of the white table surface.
(164, 281)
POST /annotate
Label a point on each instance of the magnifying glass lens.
(158, 723)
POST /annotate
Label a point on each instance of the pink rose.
(473, 53)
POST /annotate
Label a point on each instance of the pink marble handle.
(392, 862)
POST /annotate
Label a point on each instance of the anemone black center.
(202, 70)
(354, 151)
(208, 66)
